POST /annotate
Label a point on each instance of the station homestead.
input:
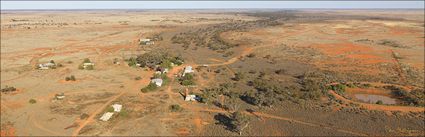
(209, 73)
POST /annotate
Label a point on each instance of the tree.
(86, 60)
(239, 121)
(32, 101)
(232, 102)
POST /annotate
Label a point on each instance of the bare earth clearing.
(307, 66)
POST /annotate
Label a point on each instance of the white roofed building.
(187, 69)
(157, 81)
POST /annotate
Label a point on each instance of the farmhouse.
(187, 69)
(157, 81)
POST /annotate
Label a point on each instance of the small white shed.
(117, 107)
(106, 116)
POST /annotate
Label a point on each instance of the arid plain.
(291, 72)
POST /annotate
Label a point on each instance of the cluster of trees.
(187, 80)
(415, 97)
(265, 93)
(154, 58)
(70, 78)
(209, 37)
(338, 88)
(236, 121)
(8, 89)
(210, 94)
(314, 85)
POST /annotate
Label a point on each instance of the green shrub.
(175, 108)
(138, 78)
(72, 78)
(150, 87)
(32, 101)
(379, 102)
(123, 113)
(187, 79)
(132, 62)
(227, 54)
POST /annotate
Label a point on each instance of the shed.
(157, 81)
(145, 40)
(187, 69)
(117, 107)
(106, 116)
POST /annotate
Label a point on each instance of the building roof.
(190, 98)
(117, 107)
(187, 69)
(106, 116)
(145, 40)
(157, 81)
(87, 64)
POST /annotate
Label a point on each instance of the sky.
(5, 5)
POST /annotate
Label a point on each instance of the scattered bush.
(132, 62)
(138, 78)
(239, 76)
(71, 78)
(339, 88)
(32, 101)
(229, 53)
(379, 102)
(150, 87)
(123, 113)
(175, 108)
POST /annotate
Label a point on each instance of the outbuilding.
(157, 81)
(106, 116)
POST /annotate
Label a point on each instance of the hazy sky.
(205, 4)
